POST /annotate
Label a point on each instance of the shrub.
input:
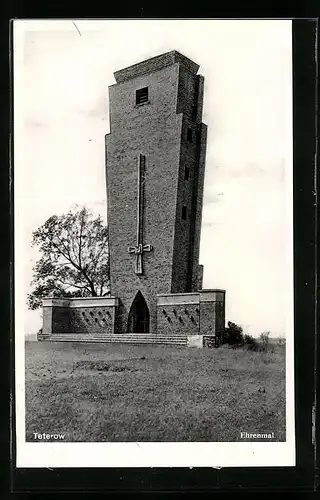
(251, 343)
(265, 341)
(233, 335)
(281, 341)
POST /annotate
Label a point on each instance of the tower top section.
(155, 64)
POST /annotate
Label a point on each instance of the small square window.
(189, 135)
(142, 96)
(186, 173)
(184, 213)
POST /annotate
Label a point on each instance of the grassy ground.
(110, 392)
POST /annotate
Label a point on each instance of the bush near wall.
(251, 343)
(234, 337)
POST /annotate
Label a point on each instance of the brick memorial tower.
(155, 164)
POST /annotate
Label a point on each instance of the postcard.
(153, 215)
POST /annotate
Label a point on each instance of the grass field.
(114, 392)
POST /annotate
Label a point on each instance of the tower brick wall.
(157, 129)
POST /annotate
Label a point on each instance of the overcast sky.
(62, 74)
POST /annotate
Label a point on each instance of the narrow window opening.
(186, 173)
(189, 135)
(142, 95)
(184, 213)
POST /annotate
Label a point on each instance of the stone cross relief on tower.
(140, 248)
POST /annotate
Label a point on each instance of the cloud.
(212, 195)
(99, 109)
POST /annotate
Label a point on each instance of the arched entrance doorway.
(139, 317)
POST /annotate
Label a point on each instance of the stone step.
(115, 336)
(105, 341)
(124, 338)
(128, 342)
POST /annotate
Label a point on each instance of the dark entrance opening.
(138, 320)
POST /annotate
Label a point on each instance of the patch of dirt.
(101, 366)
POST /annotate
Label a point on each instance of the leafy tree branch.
(74, 257)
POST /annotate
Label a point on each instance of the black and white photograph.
(153, 222)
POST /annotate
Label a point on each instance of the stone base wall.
(91, 319)
(178, 314)
(193, 314)
(198, 313)
(210, 341)
(195, 341)
(212, 312)
(60, 319)
(80, 315)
